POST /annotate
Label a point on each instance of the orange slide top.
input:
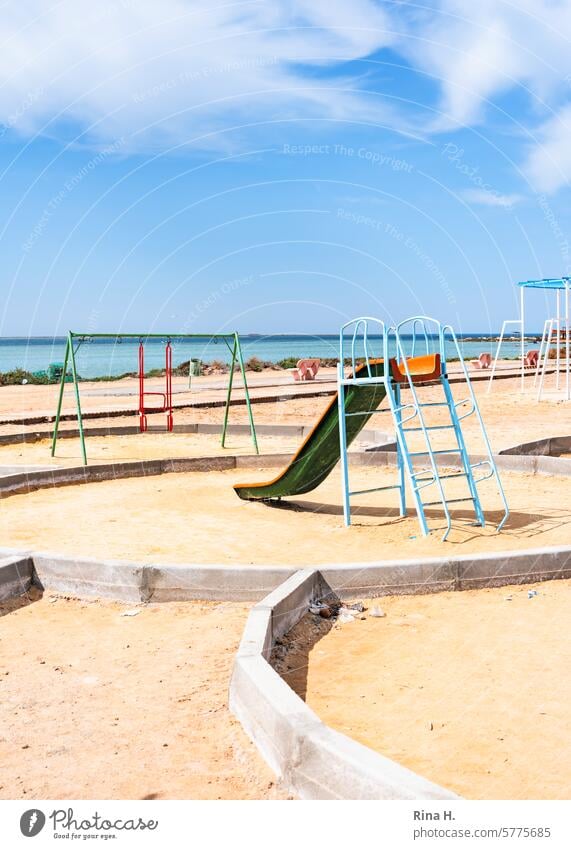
(421, 369)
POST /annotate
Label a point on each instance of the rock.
(377, 612)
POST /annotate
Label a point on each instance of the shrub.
(218, 365)
(255, 364)
(16, 376)
(287, 362)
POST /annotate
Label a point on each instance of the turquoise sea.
(103, 357)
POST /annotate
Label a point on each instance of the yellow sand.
(468, 689)
(97, 705)
(141, 446)
(197, 517)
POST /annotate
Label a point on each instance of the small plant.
(255, 364)
(562, 351)
(20, 375)
(218, 367)
(287, 362)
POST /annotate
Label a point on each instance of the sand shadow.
(10, 605)
(290, 656)
(519, 524)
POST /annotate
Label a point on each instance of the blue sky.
(280, 166)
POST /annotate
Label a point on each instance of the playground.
(404, 473)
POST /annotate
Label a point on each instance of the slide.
(320, 450)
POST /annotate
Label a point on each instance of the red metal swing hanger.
(166, 395)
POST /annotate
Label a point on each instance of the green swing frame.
(75, 340)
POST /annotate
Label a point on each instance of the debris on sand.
(334, 609)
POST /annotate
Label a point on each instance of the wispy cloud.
(190, 71)
(548, 163)
(179, 70)
(477, 52)
(483, 197)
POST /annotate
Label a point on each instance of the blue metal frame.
(342, 382)
(403, 414)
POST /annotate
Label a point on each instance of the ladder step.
(374, 489)
(448, 501)
(435, 404)
(430, 427)
(428, 453)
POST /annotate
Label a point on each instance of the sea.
(110, 357)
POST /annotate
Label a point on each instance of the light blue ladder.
(424, 478)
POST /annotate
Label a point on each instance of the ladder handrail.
(358, 322)
(447, 328)
(404, 367)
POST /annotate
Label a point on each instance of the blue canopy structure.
(555, 343)
(547, 283)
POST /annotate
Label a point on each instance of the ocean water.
(102, 357)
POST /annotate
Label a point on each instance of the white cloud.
(549, 160)
(479, 51)
(176, 69)
(490, 197)
(170, 72)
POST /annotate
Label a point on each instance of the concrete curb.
(552, 446)
(16, 576)
(147, 581)
(311, 759)
(299, 431)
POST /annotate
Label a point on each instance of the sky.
(280, 166)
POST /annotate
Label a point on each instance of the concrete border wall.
(311, 759)
(16, 576)
(299, 431)
(553, 446)
(158, 582)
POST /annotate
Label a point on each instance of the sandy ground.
(197, 517)
(469, 689)
(39, 400)
(147, 446)
(97, 705)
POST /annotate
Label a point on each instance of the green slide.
(320, 451)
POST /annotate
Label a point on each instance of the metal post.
(228, 394)
(60, 397)
(248, 404)
(522, 319)
(343, 444)
(77, 401)
(558, 338)
(400, 458)
(567, 376)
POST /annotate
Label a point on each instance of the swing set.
(165, 405)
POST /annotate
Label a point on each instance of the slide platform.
(320, 451)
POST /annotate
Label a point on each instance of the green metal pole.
(248, 404)
(228, 395)
(60, 398)
(77, 401)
